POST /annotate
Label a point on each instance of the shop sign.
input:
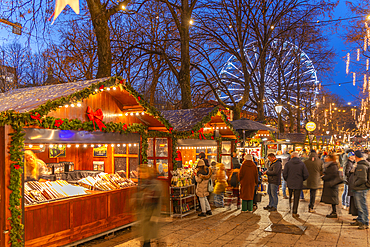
(310, 126)
(100, 151)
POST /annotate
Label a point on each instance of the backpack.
(234, 181)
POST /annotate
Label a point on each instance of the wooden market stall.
(84, 127)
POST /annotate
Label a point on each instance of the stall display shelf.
(175, 195)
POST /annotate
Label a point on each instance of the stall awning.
(196, 143)
(54, 136)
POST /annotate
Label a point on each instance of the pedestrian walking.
(360, 190)
(248, 178)
(234, 182)
(213, 178)
(314, 168)
(349, 171)
(220, 186)
(274, 179)
(295, 172)
(149, 203)
(202, 178)
(330, 189)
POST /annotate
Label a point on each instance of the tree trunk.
(184, 73)
(100, 19)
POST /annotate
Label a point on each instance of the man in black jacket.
(295, 172)
(274, 179)
(360, 191)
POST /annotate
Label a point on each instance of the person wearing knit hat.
(248, 178)
(202, 179)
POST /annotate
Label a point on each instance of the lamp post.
(278, 109)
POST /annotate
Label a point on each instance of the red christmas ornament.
(101, 87)
(192, 131)
(138, 98)
(124, 127)
(201, 135)
(212, 137)
(123, 81)
(17, 166)
(58, 122)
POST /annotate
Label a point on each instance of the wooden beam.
(158, 128)
(229, 136)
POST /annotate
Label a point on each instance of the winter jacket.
(360, 176)
(295, 172)
(314, 168)
(202, 183)
(248, 177)
(274, 172)
(220, 182)
(237, 170)
(347, 167)
(330, 194)
(350, 171)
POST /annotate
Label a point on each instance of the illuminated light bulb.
(85, 145)
(51, 146)
(217, 128)
(30, 146)
(272, 27)
(41, 146)
(129, 145)
(191, 22)
(118, 145)
(120, 114)
(126, 114)
(142, 113)
(99, 145)
(106, 145)
(102, 89)
(135, 145)
(137, 113)
(114, 88)
(79, 104)
(60, 106)
(123, 7)
(66, 106)
(77, 145)
(92, 145)
(108, 89)
(96, 90)
(112, 145)
(69, 145)
(124, 145)
(131, 114)
(60, 145)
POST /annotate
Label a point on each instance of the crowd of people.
(295, 171)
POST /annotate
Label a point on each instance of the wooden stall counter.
(65, 221)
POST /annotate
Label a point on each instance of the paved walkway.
(233, 228)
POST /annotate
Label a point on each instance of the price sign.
(310, 126)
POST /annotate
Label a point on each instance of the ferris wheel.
(286, 64)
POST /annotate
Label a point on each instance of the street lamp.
(278, 109)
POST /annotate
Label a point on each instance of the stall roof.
(26, 99)
(293, 137)
(246, 124)
(185, 119)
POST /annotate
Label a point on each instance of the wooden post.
(4, 183)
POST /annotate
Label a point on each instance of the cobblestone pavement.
(233, 228)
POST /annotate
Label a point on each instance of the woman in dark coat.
(349, 172)
(248, 178)
(330, 193)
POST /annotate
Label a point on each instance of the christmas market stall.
(194, 133)
(69, 160)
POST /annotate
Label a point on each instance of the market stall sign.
(310, 126)
(100, 151)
